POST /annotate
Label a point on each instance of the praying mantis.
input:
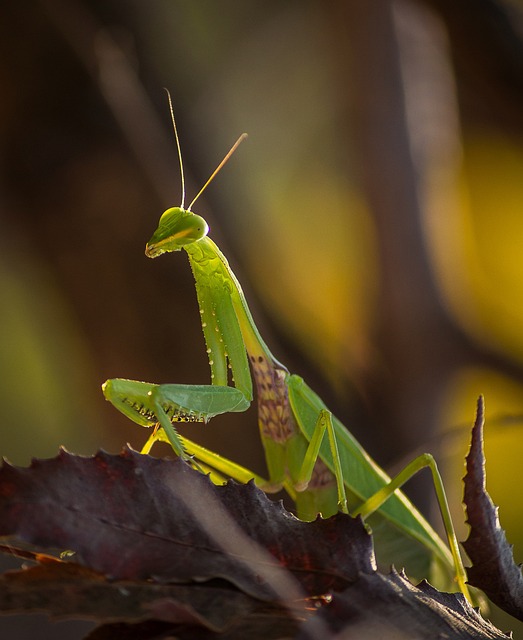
(309, 453)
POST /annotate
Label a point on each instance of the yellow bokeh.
(480, 247)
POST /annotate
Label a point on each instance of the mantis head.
(177, 227)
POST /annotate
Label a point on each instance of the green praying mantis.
(309, 453)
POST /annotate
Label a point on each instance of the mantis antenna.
(213, 174)
(177, 146)
(218, 168)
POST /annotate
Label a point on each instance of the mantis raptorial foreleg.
(166, 404)
(323, 474)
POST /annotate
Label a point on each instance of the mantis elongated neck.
(207, 261)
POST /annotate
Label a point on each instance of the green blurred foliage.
(45, 365)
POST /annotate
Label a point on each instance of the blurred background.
(373, 218)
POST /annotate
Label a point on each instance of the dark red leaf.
(131, 516)
(138, 525)
(378, 606)
(148, 630)
(373, 606)
(261, 627)
(493, 568)
(64, 589)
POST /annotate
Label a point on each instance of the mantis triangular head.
(177, 227)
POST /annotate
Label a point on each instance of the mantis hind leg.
(323, 424)
(423, 461)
